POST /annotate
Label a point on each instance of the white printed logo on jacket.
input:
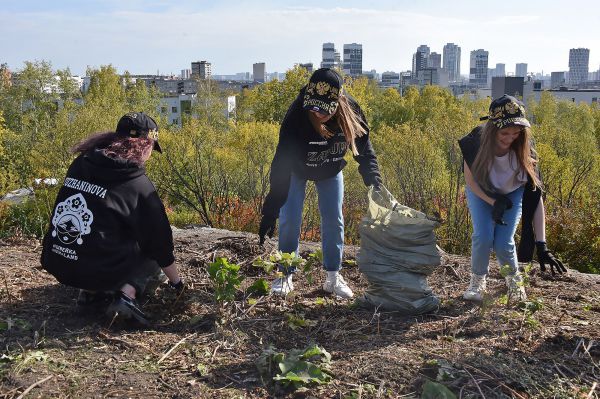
(72, 220)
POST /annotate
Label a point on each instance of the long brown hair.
(348, 120)
(133, 149)
(485, 156)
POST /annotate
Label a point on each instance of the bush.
(30, 218)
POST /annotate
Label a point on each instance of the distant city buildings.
(201, 70)
(435, 60)
(390, 80)
(557, 79)
(353, 54)
(500, 70)
(432, 76)
(330, 57)
(478, 71)
(179, 92)
(511, 85)
(372, 75)
(420, 59)
(451, 61)
(521, 69)
(308, 66)
(579, 61)
(259, 72)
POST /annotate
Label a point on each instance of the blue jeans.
(488, 235)
(331, 196)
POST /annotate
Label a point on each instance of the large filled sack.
(397, 253)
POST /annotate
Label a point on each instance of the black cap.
(507, 111)
(138, 124)
(323, 91)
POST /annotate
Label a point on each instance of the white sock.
(332, 275)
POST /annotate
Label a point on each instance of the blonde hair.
(485, 156)
(348, 120)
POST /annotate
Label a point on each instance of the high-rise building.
(328, 60)
(201, 70)
(452, 61)
(557, 79)
(478, 71)
(521, 69)
(420, 59)
(500, 70)
(185, 73)
(259, 72)
(579, 61)
(353, 59)
(435, 60)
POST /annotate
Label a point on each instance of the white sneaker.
(337, 286)
(476, 288)
(516, 288)
(282, 285)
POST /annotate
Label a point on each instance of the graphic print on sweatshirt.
(325, 151)
(72, 220)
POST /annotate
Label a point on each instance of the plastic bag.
(397, 253)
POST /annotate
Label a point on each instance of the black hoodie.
(304, 152)
(106, 218)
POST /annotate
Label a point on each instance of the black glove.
(178, 287)
(267, 228)
(501, 204)
(546, 257)
(376, 184)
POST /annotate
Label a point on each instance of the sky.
(150, 36)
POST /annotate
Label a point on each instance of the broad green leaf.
(434, 390)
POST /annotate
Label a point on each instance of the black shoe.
(93, 299)
(127, 308)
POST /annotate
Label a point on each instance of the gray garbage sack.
(397, 253)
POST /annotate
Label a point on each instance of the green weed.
(297, 368)
(226, 279)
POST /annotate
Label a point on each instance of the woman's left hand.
(545, 257)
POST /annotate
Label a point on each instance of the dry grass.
(193, 350)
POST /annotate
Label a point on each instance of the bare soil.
(489, 350)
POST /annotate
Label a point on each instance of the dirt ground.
(50, 348)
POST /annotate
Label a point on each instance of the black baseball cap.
(507, 111)
(138, 124)
(323, 91)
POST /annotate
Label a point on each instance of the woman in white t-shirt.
(498, 163)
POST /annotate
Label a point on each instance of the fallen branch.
(174, 347)
(215, 352)
(592, 390)
(35, 384)
(476, 384)
(254, 304)
(581, 341)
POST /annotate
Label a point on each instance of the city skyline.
(233, 36)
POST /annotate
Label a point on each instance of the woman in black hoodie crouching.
(109, 232)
